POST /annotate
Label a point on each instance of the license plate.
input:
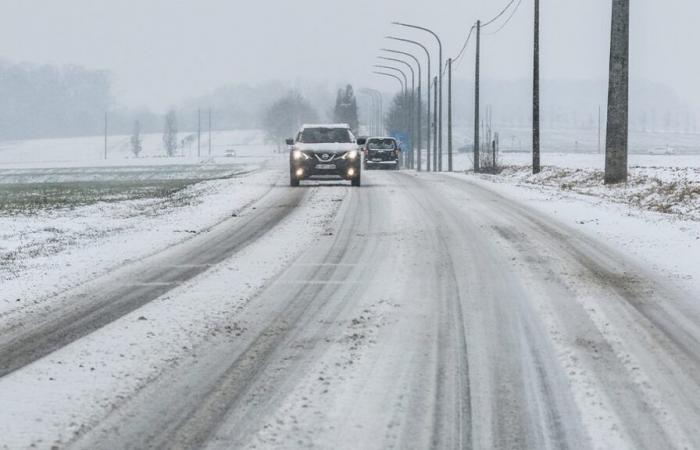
(377, 160)
(325, 166)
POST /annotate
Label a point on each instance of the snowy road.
(417, 311)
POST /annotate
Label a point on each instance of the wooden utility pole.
(536, 94)
(449, 115)
(476, 97)
(618, 95)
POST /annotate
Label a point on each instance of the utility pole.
(536, 94)
(418, 126)
(210, 132)
(449, 115)
(105, 135)
(618, 95)
(435, 126)
(199, 133)
(476, 97)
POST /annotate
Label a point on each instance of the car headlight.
(351, 155)
(298, 155)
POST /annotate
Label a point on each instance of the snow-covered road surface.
(417, 311)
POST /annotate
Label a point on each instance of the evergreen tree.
(345, 110)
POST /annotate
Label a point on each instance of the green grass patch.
(23, 198)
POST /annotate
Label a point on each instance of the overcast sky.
(162, 51)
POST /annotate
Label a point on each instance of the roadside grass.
(27, 198)
(28, 191)
(674, 191)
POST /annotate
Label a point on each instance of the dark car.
(324, 152)
(382, 153)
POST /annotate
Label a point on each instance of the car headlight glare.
(298, 154)
(351, 155)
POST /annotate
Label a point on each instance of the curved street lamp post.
(439, 112)
(411, 101)
(417, 106)
(427, 54)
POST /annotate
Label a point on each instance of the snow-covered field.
(89, 151)
(186, 302)
(66, 215)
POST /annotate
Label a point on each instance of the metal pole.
(403, 89)
(417, 112)
(439, 112)
(404, 93)
(380, 117)
(210, 132)
(403, 86)
(411, 129)
(536, 94)
(618, 95)
(372, 115)
(476, 97)
(429, 79)
(435, 130)
(449, 115)
(199, 132)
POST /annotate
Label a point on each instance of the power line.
(464, 47)
(471, 30)
(507, 20)
(499, 14)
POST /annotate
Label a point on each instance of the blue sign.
(403, 138)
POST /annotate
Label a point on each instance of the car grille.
(325, 157)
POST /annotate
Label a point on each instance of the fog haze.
(162, 52)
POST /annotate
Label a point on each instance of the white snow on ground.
(80, 384)
(106, 213)
(77, 386)
(90, 150)
(655, 216)
(667, 243)
(661, 183)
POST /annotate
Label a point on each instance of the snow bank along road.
(417, 311)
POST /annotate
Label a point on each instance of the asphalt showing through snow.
(429, 313)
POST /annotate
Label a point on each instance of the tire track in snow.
(108, 298)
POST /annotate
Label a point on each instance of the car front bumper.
(338, 168)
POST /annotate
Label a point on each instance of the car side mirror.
(361, 141)
(290, 141)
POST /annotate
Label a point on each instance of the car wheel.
(355, 181)
(293, 181)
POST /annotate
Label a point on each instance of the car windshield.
(381, 144)
(325, 135)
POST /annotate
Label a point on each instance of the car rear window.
(381, 144)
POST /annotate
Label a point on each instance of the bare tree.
(170, 133)
(136, 146)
